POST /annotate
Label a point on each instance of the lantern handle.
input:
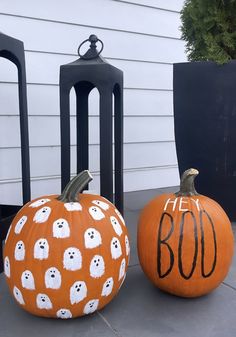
(92, 52)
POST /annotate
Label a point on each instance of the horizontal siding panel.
(134, 180)
(135, 156)
(9, 101)
(151, 178)
(145, 155)
(45, 131)
(148, 129)
(174, 5)
(62, 38)
(148, 102)
(11, 193)
(44, 69)
(99, 13)
(41, 99)
(44, 100)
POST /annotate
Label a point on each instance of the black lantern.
(88, 72)
(13, 50)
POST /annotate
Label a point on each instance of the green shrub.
(209, 28)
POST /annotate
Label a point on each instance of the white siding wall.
(141, 37)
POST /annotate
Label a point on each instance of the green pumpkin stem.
(187, 187)
(75, 186)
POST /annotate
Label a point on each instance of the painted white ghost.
(96, 213)
(43, 302)
(122, 269)
(101, 204)
(27, 280)
(61, 229)
(116, 250)
(127, 246)
(78, 291)
(7, 267)
(39, 202)
(20, 251)
(116, 226)
(20, 224)
(52, 278)
(64, 313)
(92, 238)
(107, 287)
(73, 206)
(91, 306)
(42, 214)
(72, 259)
(41, 249)
(18, 295)
(97, 266)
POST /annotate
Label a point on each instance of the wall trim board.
(95, 173)
(91, 26)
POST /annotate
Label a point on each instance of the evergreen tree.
(209, 28)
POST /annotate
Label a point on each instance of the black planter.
(205, 127)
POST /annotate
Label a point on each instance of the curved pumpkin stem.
(75, 186)
(187, 187)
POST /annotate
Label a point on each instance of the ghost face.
(91, 306)
(27, 280)
(64, 314)
(39, 202)
(18, 296)
(61, 229)
(97, 266)
(116, 251)
(20, 251)
(73, 206)
(101, 204)
(52, 278)
(7, 267)
(20, 224)
(72, 259)
(42, 215)
(92, 238)
(107, 287)
(41, 249)
(78, 292)
(43, 302)
(116, 226)
(96, 213)
(122, 269)
(127, 246)
(120, 216)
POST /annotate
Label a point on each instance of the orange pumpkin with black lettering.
(185, 241)
(66, 256)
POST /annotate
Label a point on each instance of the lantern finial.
(92, 52)
(93, 39)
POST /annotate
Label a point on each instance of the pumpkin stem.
(187, 187)
(75, 186)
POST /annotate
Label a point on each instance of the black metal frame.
(92, 71)
(13, 50)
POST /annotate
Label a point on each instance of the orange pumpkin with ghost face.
(66, 256)
(185, 241)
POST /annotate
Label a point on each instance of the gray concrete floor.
(139, 310)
